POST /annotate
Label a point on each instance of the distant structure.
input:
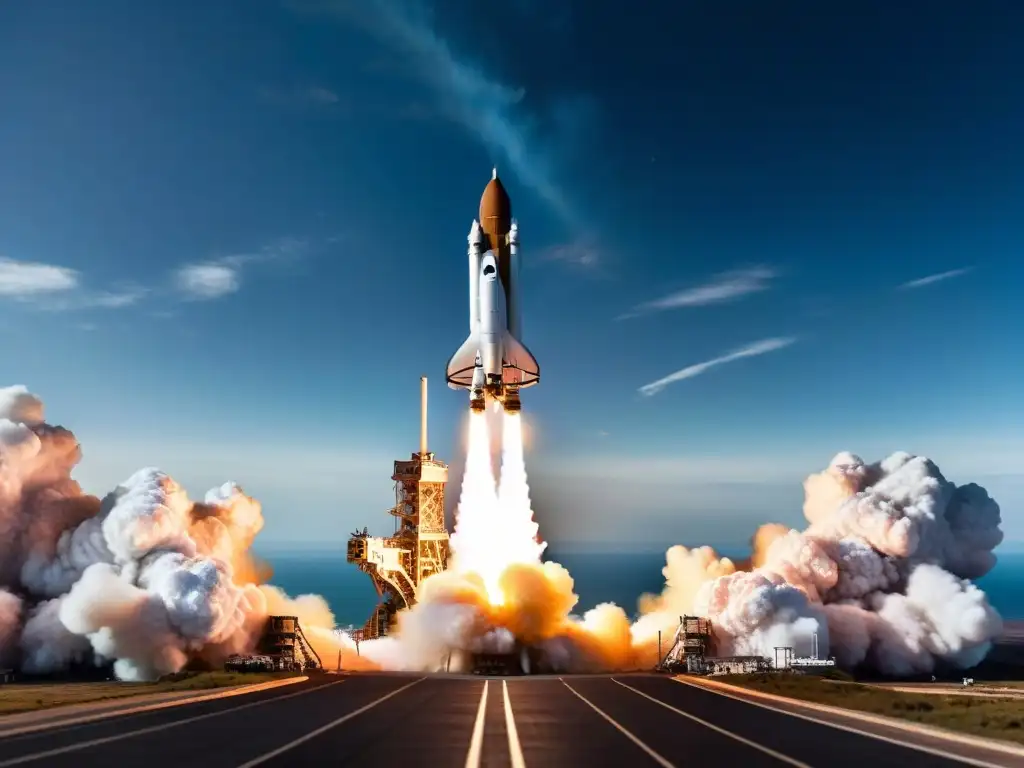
(283, 646)
(691, 645)
(809, 664)
(692, 652)
(419, 547)
(284, 642)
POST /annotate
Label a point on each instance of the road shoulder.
(87, 712)
(971, 749)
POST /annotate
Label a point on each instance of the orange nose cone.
(495, 210)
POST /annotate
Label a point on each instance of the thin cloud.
(26, 280)
(488, 109)
(576, 254)
(726, 286)
(203, 282)
(118, 298)
(923, 281)
(58, 289)
(124, 297)
(216, 278)
(751, 350)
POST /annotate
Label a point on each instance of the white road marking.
(324, 728)
(621, 729)
(716, 729)
(869, 734)
(476, 743)
(515, 749)
(153, 728)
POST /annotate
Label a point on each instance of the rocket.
(493, 363)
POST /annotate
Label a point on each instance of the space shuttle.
(493, 363)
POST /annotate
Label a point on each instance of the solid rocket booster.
(493, 364)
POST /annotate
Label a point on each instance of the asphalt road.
(631, 720)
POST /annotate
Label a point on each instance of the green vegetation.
(26, 697)
(989, 717)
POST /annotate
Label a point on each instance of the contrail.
(923, 281)
(751, 350)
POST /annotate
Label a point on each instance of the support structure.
(690, 646)
(419, 547)
(284, 642)
(693, 649)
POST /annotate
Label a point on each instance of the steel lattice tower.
(419, 547)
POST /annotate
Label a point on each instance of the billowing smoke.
(880, 578)
(148, 581)
(144, 579)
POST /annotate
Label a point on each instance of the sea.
(599, 578)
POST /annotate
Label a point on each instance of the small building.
(6, 676)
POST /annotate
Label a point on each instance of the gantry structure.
(419, 547)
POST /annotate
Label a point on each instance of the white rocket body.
(492, 362)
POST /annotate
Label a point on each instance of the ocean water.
(616, 578)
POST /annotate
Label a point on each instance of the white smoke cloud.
(145, 579)
(879, 578)
(10, 624)
(148, 581)
(880, 574)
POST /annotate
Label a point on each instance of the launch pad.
(419, 547)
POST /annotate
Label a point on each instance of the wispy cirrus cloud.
(216, 278)
(750, 350)
(727, 286)
(202, 282)
(578, 253)
(55, 288)
(27, 280)
(936, 278)
(490, 110)
(125, 295)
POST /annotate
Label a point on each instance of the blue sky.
(234, 237)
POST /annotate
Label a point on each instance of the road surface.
(628, 720)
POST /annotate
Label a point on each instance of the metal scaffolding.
(419, 547)
(284, 642)
(692, 642)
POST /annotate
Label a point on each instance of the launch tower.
(398, 564)
(692, 644)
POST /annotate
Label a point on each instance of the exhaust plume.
(880, 576)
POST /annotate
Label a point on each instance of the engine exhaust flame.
(878, 577)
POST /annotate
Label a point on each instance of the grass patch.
(43, 695)
(988, 717)
(988, 684)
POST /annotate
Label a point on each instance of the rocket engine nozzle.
(512, 403)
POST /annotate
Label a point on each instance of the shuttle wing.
(460, 367)
(519, 366)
